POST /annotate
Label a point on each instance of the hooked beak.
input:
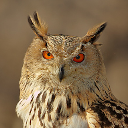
(61, 73)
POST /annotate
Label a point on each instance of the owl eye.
(47, 55)
(79, 58)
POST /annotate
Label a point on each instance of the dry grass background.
(73, 17)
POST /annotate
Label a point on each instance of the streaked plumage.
(63, 83)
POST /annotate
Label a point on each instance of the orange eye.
(47, 55)
(79, 58)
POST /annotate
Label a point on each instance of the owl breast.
(75, 121)
(47, 109)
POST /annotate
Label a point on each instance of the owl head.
(62, 61)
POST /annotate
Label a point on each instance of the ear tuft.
(39, 28)
(93, 34)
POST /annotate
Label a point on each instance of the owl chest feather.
(48, 109)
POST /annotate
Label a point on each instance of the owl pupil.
(49, 54)
(77, 57)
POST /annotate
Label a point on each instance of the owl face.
(63, 59)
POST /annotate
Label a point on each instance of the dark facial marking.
(104, 120)
(44, 96)
(61, 73)
(49, 104)
(119, 115)
(96, 86)
(31, 99)
(82, 109)
(58, 111)
(126, 120)
(49, 117)
(33, 116)
(112, 112)
(43, 115)
(125, 111)
(68, 101)
(39, 116)
(116, 126)
(37, 98)
(31, 108)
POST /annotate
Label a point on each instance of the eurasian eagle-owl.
(63, 83)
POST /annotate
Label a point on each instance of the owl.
(63, 83)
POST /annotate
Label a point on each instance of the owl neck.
(83, 93)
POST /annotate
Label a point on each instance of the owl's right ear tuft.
(39, 28)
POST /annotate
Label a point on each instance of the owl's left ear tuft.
(39, 28)
(93, 34)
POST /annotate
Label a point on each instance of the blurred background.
(72, 17)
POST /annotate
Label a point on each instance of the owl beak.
(61, 73)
